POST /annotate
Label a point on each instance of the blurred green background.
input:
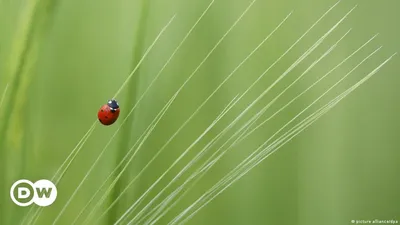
(64, 59)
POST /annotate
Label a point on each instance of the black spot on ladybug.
(106, 117)
(100, 121)
(102, 110)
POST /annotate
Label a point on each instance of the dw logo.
(42, 192)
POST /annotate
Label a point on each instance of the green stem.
(124, 142)
(27, 31)
(33, 24)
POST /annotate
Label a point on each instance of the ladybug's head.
(113, 104)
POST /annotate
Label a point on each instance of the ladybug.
(109, 113)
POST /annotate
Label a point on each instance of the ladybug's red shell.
(108, 115)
